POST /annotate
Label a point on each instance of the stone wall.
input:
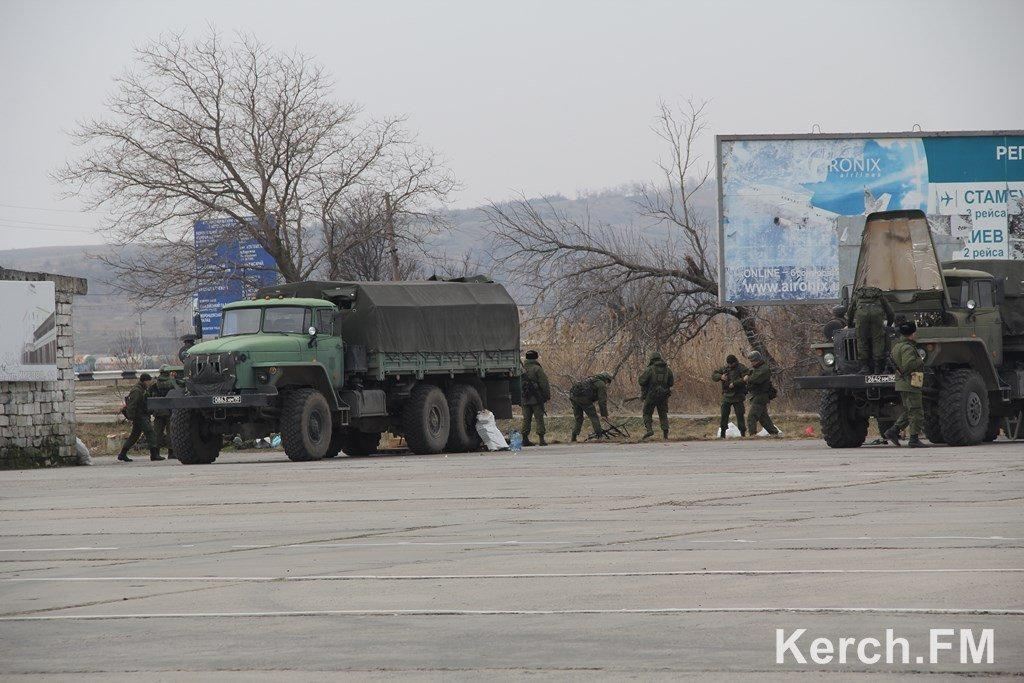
(37, 419)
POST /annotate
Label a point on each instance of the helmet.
(655, 357)
(532, 355)
(908, 328)
(731, 359)
(755, 356)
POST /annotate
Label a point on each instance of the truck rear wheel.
(305, 425)
(191, 439)
(353, 443)
(464, 403)
(841, 425)
(426, 420)
(963, 408)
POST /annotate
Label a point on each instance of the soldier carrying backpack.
(536, 392)
(655, 388)
(583, 395)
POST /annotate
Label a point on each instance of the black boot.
(526, 441)
(648, 434)
(721, 433)
(915, 442)
(123, 457)
(154, 454)
(664, 434)
(573, 437)
(542, 442)
(892, 436)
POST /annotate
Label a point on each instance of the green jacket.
(868, 298)
(759, 380)
(738, 389)
(590, 390)
(162, 386)
(136, 403)
(656, 381)
(536, 388)
(906, 359)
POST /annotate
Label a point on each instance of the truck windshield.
(286, 319)
(241, 321)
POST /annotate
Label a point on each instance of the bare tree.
(128, 350)
(204, 129)
(641, 291)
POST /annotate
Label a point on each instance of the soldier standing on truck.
(583, 395)
(762, 392)
(909, 381)
(536, 392)
(869, 313)
(135, 410)
(160, 388)
(734, 392)
(655, 388)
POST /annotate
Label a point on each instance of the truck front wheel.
(426, 420)
(841, 424)
(193, 442)
(963, 408)
(305, 425)
(463, 404)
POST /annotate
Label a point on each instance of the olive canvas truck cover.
(417, 317)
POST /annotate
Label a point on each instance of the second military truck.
(331, 366)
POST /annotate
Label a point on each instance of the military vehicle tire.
(425, 420)
(192, 443)
(840, 425)
(306, 426)
(353, 443)
(464, 403)
(995, 423)
(963, 407)
(933, 423)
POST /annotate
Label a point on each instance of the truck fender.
(312, 375)
(964, 351)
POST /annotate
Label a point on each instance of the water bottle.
(516, 440)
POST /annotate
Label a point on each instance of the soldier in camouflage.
(536, 392)
(909, 382)
(135, 410)
(869, 313)
(655, 389)
(734, 392)
(759, 384)
(165, 381)
(583, 395)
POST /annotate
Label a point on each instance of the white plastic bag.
(489, 432)
(82, 451)
(732, 431)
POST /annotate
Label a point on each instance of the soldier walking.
(135, 410)
(165, 381)
(536, 392)
(734, 392)
(583, 395)
(759, 384)
(869, 313)
(655, 388)
(909, 383)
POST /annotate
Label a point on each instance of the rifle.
(610, 430)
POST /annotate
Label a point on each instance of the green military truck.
(331, 366)
(970, 318)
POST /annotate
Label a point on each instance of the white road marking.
(539, 612)
(50, 550)
(862, 538)
(549, 575)
(406, 543)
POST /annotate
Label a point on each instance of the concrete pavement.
(654, 560)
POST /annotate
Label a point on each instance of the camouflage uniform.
(655, 388)
(759, 384)
(868, 313)
(135, 410)
(163, 384)
(907, 360)
(583, 395)
(734, 392)
(536, 392)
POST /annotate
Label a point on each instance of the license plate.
(226, 400)
(879, 379)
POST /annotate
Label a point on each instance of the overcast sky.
(534, 96)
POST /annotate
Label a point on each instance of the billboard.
(230, 266)
(28, 337)
(792, 207)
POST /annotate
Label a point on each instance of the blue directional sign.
(230, 266)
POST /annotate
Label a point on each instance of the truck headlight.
(922, 353)
(830, 359)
